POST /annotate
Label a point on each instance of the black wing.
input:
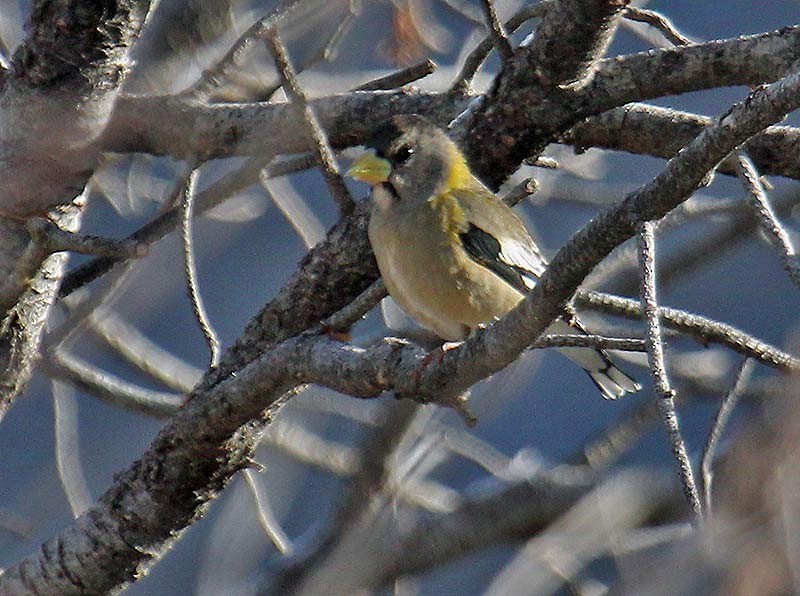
(485, 249)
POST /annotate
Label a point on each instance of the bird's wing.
(497, 239)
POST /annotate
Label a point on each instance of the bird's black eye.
(403, 153)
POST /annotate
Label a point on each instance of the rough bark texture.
(526, 105)
(55, 101)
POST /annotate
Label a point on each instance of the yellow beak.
(371, 169)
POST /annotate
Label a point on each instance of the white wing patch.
(525, 257)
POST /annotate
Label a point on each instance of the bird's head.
(413, 160)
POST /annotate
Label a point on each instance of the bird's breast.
(431, 277)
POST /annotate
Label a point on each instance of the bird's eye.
(403, 153)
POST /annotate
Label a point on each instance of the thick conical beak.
(371, 169)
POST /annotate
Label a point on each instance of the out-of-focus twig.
(726, 407)
(68, 462)
(210, 77)
(111, 389)
(477, 57)
(293, 90)
(266, 517)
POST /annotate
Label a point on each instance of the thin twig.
(658, 371)
(191, 272)
(51, 238)
(400, 78)
(478, 56)
(291, 86)
(601, 342)
(324, 54)
(520, 192)
(143, 353)
(720, 420)
(68, 461)
(210, 78)
(767, 218)
(659, 22)
(353, 312)
(294, 208)
(266, 518)
(496, 30)
(110, 389)
(700, 328)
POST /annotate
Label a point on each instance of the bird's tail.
(612, 382)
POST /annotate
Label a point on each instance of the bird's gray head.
(422, 160)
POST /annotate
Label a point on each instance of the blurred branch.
(525, 509)
(210, 78)
(304, 446)
(271, 526)
(111, 389)
(377, 554)
(767, 218)
(582, 534)
(658, 368)
(724, 412)
(365, 496)
(327, 161)
(143, 353)
(476, 58)
(68, 461)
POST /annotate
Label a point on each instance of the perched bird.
(451, 253)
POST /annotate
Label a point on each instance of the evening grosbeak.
(452, 254)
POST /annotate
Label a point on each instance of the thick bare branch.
(55, 101)
(662, 132)
(525, 106)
